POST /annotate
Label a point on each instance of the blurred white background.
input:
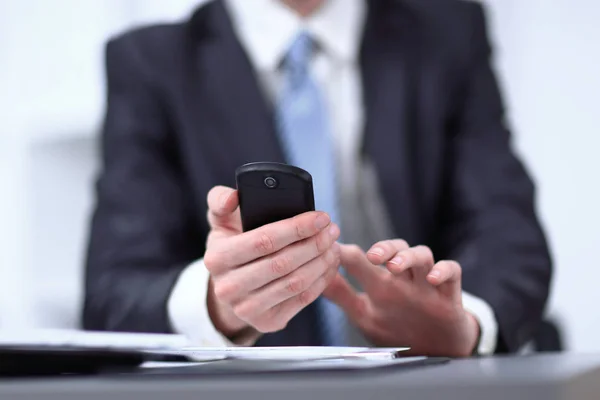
(51, 104)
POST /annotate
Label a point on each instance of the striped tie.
(306, 137)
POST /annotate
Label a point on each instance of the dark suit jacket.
(184, 110)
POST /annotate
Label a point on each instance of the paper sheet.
(290, 353)
(116, 340)
(179, 345)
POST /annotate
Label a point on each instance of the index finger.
(345, 296)
(383, 251)
(355, 262)
(447, 276)
(268, 239)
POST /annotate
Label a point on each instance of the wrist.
(473, 334)
(222, 317)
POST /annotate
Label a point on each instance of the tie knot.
(299, 53)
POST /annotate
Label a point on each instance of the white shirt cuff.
(188, 311)
(488, 325)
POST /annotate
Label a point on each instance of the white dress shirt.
(266, 29)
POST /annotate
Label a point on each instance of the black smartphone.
(269, 192)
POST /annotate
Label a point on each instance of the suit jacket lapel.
(244, 130)
(387, 65)
(232, 94)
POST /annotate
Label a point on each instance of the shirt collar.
(266, 29)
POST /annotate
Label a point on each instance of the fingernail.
(377, 251)
(322, 221)
(435, 274)
(397, 261)
(334, 231)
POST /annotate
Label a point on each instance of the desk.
(551, 377)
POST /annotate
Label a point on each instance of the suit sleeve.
(142, 236)
(490, 225)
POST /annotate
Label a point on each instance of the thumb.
(223, 211)
(354, 304)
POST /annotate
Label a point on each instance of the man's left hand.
(412, 302)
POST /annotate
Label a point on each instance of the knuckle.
(355, 252)
(272, 313)
(336, 259)
(301, 230)
(329, 258)
(222, 198)
(381, 243)
(226, 290)
(212, 261)
(337, 250)
(264, 244)
(295, 284)
(426, 251)
(240, 310)
(454, 268)
(387, 245)
(329, 275)
(217, 197)
(408, 256)
(281, 265)
(319, 243)
(212, 195)
(403, 244)
(245, 310)
(306, 297)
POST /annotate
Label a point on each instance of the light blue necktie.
(306, 137)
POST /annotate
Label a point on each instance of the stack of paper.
(85, 339)
(287, 353)
(178, 345)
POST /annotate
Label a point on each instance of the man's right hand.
(262, 278)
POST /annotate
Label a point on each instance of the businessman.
(392, 106)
